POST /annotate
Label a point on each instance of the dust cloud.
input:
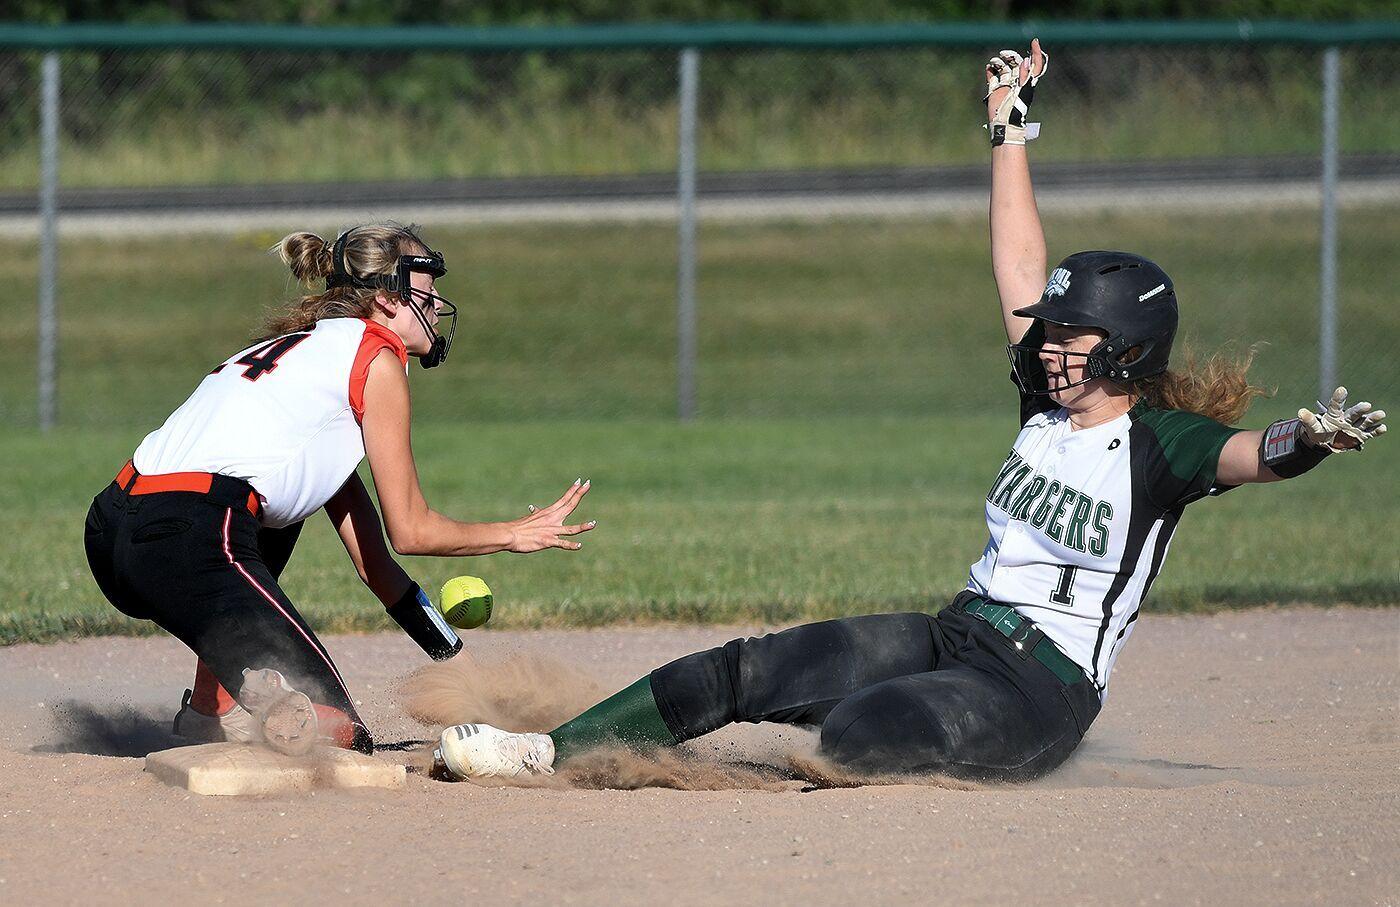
(80, 727)
(515, 693)
(532, 693)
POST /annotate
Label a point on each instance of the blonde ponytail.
(308, 255)
(370, 249)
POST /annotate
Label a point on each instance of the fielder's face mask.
(401, 283)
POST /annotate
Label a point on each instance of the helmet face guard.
(1031, 376)
(401, 283)
(1103, 361)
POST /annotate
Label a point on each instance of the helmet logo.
(1152, 292)
(1059, 282)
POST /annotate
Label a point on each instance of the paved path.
(1222, 183)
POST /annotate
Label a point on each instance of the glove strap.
(1013, 135)
(424, 625)
(1285, 453)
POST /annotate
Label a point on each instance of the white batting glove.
(1340, 428)
(1003, 71)
(1013, 81)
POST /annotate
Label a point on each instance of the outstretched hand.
(543, 527)
(1339, 427)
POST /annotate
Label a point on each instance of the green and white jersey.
(1080, 521)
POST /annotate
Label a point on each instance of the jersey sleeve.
(1185, 457)
(376, 338)
(1034, 404)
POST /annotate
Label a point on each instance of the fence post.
(48, 243)
(685, 271)
(1327, 328)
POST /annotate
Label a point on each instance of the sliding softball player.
(1114, 444)
(197, 527)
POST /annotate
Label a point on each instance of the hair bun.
(308, 255)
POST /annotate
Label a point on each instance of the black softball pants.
(891, 693)
(202, 568)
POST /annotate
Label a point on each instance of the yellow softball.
(466, 602)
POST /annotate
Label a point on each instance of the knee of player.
(882, 731)
(696, 691)
(339, 729)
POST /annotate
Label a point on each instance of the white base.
(233, 769)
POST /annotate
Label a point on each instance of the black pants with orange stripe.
(202, 568)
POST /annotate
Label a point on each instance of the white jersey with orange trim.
(283, 415)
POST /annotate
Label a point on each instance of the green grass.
(602, 136)
(742, 521)
(854, 410)
(221, 119)
(847, 318)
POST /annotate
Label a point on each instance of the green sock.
(629, 717)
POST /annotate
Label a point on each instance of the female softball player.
(1003, 682)
(197, 527)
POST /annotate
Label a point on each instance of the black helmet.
(1123, 294)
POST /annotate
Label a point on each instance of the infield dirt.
(1248, 758)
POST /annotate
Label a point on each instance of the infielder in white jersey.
(1004, 682)
(197, 527)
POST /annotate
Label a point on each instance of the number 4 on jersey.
(1064, 592)
(262, 360)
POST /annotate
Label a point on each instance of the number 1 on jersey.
(1064, 592)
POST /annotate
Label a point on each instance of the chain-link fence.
(842, 256)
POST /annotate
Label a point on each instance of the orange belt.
(198, 482)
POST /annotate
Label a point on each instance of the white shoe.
(284, 715)
(482, 751)
(234, 726)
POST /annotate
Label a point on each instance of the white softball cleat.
(236, 725)
(284, 715)
(482, 751)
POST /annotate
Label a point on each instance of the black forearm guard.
(1284, 451)
(424, 625)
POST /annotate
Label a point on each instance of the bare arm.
(1335, 428)
(352, 511)
(413, 526)
(356, 520)
(1240, 463)
(1018, 242)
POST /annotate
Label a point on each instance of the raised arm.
(1018, 243)
(413, 526)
